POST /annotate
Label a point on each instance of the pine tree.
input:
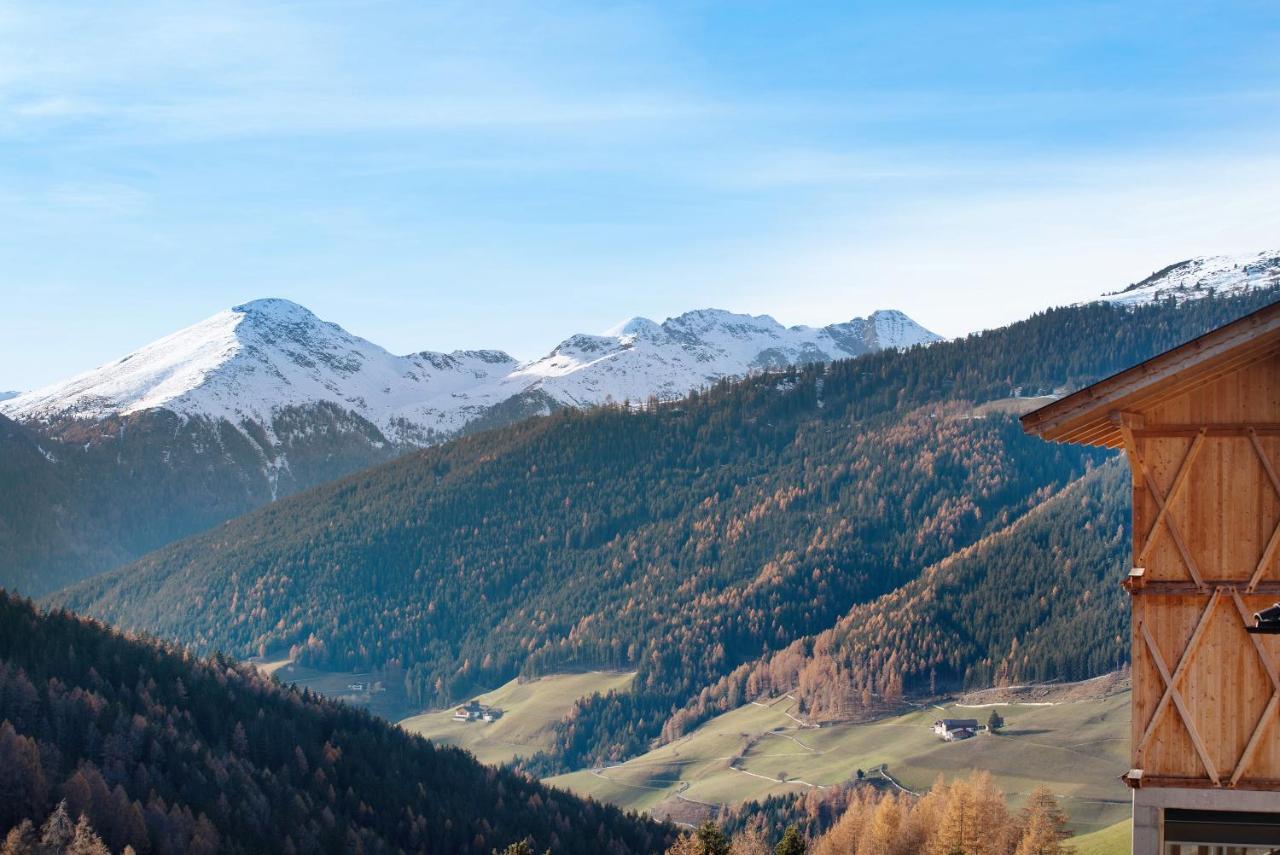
(885, 833)
(520, 848)
(1043, 824)
(712, 839)
(21, 840)
(750, 841)
(791, 844)
(58, 831)
(85, 841)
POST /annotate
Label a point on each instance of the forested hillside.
(170, 754)
(1039, 600)
(683, 540)
(81, 498)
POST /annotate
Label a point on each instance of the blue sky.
(495, 174)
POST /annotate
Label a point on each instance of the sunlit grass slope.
(1077, 748)
(530, 711)
(1112, 840)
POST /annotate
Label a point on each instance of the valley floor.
(1073, 738)
(1077, 747)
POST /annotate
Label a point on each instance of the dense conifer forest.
(82, 498)
(685, 539)
(1039, 600)
(132, 743)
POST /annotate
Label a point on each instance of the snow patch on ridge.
(1194, 278)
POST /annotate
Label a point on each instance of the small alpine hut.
(1200, 426)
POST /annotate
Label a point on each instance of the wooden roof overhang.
(1087, 417)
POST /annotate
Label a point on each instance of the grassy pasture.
(1078, 748)
(389, 701)
(1112, 840)
(530, 711)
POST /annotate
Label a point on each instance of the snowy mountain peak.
(635, 327)
(1198, 277)
(253, 361)
(274, 308)
(639, 358)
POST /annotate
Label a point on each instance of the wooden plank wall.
(1225, 510)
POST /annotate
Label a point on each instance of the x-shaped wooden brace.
(1171, 692)
(1164, 501)
(1275, 534)
(1256, 737)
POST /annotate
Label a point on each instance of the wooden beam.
(1126, 423)
(1256, 737)
(1201, 782)
(1171, 692)
(1165, 502)
(1274, 540)
(1167, 588)
(1226, 431)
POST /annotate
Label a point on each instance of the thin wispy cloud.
(384, 162)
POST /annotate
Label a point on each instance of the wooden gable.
(1200, 426)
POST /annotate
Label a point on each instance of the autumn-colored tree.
(750, 841)
(85, 841)
(57, 831)
(975, 821)
(708, 839)
(889, 831)
(21, 840)
(1043, 824)
(964, 817)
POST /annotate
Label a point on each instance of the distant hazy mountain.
(1197, 277)
(4, 396)
(250, 363)
(265, 399)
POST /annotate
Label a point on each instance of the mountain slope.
(680, 540)
(252, 361)
(1225, 275)
(1038, 600)
(638, 358)
(264, 400)
(171, 755)
(106, 492)
(249, 363)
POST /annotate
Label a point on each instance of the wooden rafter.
(1269, 712)
(1171, 693)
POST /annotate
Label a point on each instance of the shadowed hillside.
(170, 754)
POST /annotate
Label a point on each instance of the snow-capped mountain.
(1198, 277)
(4, 396)
(251, 363)
(640, 358)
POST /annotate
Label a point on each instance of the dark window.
(1220, 832)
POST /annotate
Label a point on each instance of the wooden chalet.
(951, 728)
(1200, 426)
